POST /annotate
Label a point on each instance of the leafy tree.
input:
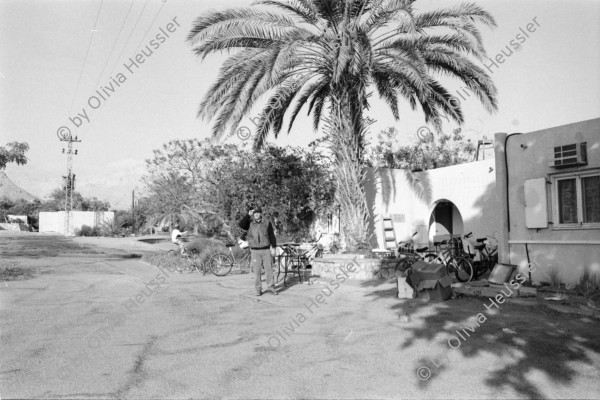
(94, 204)
(212, 186)
(325, 54)
(291, 184)
(178, 179)
(13, 152)
(428, 153)
(56, 202)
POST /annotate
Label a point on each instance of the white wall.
(470, 187)
(55, 221)
(528, 155)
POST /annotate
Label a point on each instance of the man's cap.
(257, 210)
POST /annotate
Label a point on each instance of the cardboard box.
(431, 281)
(438, 292)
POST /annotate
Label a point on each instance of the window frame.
(577, 175)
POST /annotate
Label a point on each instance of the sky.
(60, 63)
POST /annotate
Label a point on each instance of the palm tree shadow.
(526, 340)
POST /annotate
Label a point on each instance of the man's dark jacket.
(260, 234)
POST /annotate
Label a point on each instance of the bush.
(589, 281)
(87, 230)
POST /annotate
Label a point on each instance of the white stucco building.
(539, 198)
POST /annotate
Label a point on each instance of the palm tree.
(325, 54)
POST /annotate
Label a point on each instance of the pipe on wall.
(507, 176)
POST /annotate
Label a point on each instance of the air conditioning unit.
(569, 155)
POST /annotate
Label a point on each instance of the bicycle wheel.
(463, 270)
(220, 264)
(195, 264)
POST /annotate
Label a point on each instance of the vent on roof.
(570, 155)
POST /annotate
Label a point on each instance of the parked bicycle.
(221, 264)
(409, 254)
(486, 256)
(193, 261)
(449, 253)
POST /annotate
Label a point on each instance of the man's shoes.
(273, 291)
(259, 292)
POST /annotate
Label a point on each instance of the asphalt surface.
(91, 324)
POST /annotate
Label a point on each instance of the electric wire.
(150, 27)
(139, 45)
(86, 57)
(114, 44)
(129, 38)
(89, 126)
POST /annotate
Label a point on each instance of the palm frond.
(234, 21)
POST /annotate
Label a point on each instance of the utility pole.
(69, 179)
(133, 211)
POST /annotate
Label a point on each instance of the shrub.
(589, 281)
(111, 228)
(554, 275)
(87, 230)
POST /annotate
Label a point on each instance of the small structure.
(55, 221)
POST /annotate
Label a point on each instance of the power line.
(150, 27)
(114, 44)
(129, 38)
(86, 56)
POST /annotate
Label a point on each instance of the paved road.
(88, 326)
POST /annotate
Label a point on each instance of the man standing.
(261, 239)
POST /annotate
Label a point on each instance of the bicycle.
(192, 259)
(221, 264)
(486, 257)
(449, 254)
(411, 255)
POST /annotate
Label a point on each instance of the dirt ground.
(89, 321)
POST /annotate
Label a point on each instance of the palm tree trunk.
(347, 143)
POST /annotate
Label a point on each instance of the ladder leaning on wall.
(389, 236)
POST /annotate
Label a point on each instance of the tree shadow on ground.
(526, 340)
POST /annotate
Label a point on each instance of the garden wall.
(350, 267)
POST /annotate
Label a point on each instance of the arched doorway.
(445, 220)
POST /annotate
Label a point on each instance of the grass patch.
(14, 273)
(589, 281)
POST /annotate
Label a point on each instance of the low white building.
(55, 221)
(539, 198)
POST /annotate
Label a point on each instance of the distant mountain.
(8, 189)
